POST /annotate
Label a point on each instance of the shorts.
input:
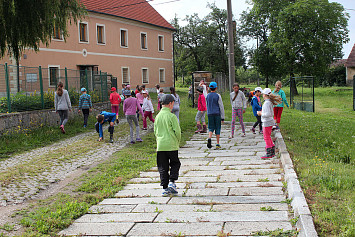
(200, 116)
(214, 124)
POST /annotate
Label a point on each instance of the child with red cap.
(115, 100)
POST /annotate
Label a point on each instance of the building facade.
(350, 67)
(127, 39)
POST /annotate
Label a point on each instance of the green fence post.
(66, 79)
(7, 89)
(41, 85)
(102, 93)
(87, 80)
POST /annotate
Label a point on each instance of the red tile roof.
(351, 59)
(138, 10)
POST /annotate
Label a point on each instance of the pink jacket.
(201, 104)
(130, 106)
(140, 98)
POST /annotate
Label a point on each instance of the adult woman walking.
(62, 105)
(176, 108)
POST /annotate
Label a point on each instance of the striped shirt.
(85, 101)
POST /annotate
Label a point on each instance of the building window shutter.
(125, 75)
(162, 75)
(124, 38)
(144, 40)
(161, 43)
(100, 34)
(83, 32)
(53, 76)
(145, 75)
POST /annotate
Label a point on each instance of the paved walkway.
(220, 191)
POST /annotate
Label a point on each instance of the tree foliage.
(27, 23)
(296, 36)
(202, 44)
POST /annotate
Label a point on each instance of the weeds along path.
(25, 176)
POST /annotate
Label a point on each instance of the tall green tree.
(27, 23)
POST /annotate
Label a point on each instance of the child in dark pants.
(168, 135)
(101, 119)
(256, 104)
(85, 105)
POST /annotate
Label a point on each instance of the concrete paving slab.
(253, 216)
(145, 180)
(231, 172)
(117, 217)
(139, 193)
(252, 191)
(207, 192)
(250, 178)
(100, 229)
(244, 162)
(152, 174)
(196, 179)
(250, 159)
(201, 168)
(147, 200)
(175, 229)
(111, 208)
(171, 208)
(243, 184)
(249, 207)
(227, 200)
(150, 186)
(193, 155)
(249, 228)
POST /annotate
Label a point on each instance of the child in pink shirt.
(202, 108)
(140, 99)
(130, 106)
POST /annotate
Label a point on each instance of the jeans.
(86, 113)
(168, 160)
(133, 119)
(148, 114)
(63, 114)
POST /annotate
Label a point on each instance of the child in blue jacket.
(256, 104)
(101, 119)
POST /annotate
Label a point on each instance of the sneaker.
(62, 128)
(230, 137)
(253, 130)
(166, 192)
(117, 121)
(144, 128)
(111, 140)
(139, 140)
(84, 126)
(209, 143)
(172, 188)
(260, 132)
(218, 147)
(243, 135)
(133, 142)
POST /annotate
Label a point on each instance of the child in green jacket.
(168, 135)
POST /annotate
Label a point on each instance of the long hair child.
(62, 105)
(239, 105)
(267, 118)
(148, 109)
(279, 107)
(176, 108)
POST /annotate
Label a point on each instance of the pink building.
(126, 38)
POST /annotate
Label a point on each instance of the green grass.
(48, 217)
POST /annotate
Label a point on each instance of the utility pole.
(230, 45)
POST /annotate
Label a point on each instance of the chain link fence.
(33, 88)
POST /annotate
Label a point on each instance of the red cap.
(113, 89)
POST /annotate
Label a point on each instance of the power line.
(167, 2)
(348, 9)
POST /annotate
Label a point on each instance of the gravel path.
(59, 161)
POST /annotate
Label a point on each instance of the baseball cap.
(167, 99)
(113, 89)
(266, 91)
(83, 89)
(128, 85)
(127, 92)
(259, 89)
(213, 85)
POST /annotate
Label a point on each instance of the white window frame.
(129, 77)
(163, 46)
(145, 68)
(122, 29)
(49, 75)
(160, 81)
(103, 36)
(146, 40)
(87, 32)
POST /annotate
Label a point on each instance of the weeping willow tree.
(28, 23)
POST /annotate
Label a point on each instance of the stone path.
(221, 193)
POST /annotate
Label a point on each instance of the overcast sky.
(168, 9)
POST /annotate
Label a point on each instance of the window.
(125, 75)
(100, 31)
(53, 75)
(124, 38)
(57, 33)
(161, 75)
(161, 43)
(83, 32)
(144, 41)
(145, 76)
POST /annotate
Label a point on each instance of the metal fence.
(32, 88)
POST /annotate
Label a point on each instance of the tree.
(27, 23)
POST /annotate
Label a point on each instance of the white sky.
(168, 9)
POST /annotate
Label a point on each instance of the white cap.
(266, 91)
(259, 89)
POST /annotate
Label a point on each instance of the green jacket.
(167, 131)
(282, 94)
